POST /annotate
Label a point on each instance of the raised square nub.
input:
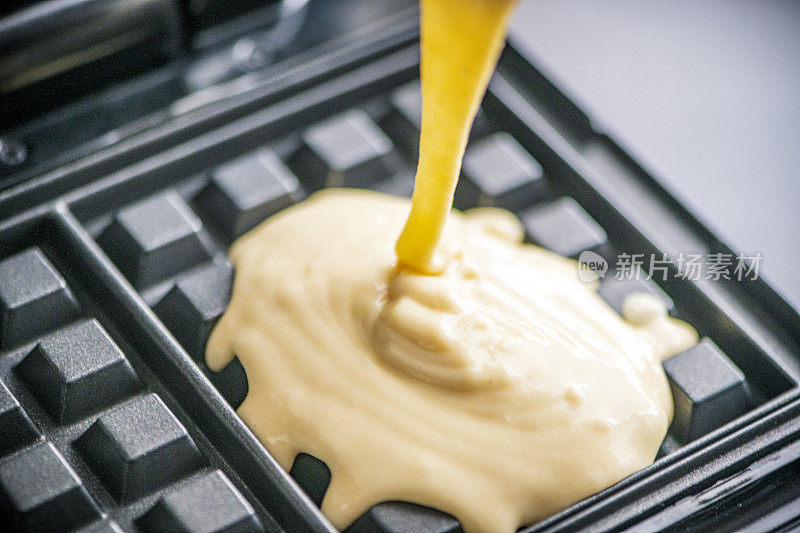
(39, 491)
(404, 120)
(208, 503)
(192, 307)
(77, 371)
(244, 192)
(348, 150)
(154, 239)
(562, 226)
(499, 172)
(34, 298)
(16, 427)
(138, 447)
(707, 388)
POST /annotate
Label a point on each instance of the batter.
(499, 391)
(457, 367)
(460, 44)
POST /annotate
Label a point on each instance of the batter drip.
(499, 391)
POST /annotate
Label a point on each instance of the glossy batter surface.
(500, 390)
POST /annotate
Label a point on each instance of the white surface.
(705, 93)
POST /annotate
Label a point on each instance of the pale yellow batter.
(458, 369)
(499, 391)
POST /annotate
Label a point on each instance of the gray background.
(705, 93)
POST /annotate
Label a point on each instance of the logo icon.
(591, 266)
